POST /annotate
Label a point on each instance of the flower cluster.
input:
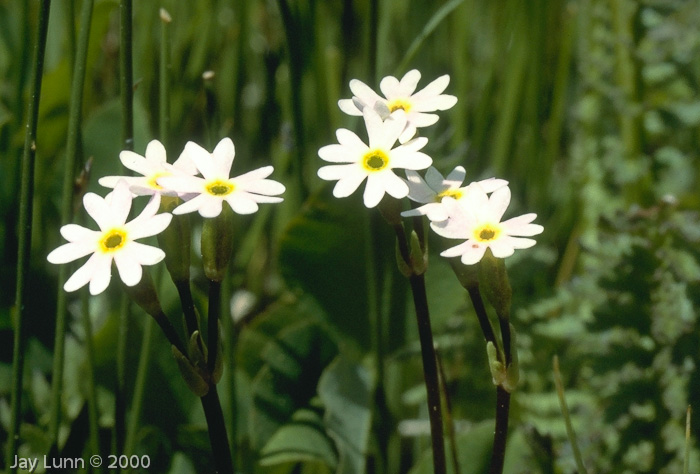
(116, 239)
(472, 212)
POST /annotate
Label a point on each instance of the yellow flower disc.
(220, 188)
(153, 180)
(487, 232)
(453, 193)
(375, 160)
(113, 240)
(397, 104)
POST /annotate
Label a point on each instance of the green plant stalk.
(25, 229)
(73, 137)
(686, 453)
(217, 431)
(127, 125)
(500, 435)
(430, 372)
(567, 416)
(213, 323)
(295, 50)
(482, 316)
(139, 387)
(448, 418)
(91, 396)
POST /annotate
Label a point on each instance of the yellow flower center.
(375, 160)
(453, 193)
(113, 240)
(153, 179)
(220, 188)
(487, 232)
(397, 104)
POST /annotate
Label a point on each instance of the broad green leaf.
(345, 390)
(322, 252)
(302, 439)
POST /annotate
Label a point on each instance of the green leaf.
(303, 439)
(322, 252)
(285, 351)
(345, 389)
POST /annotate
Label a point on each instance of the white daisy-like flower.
(152, 166)
(431, 190)
(115, 241)
(208, 193)
(477, 218)
(375, 162)
(400, 95)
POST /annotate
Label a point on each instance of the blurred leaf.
(345, 390)
(287, 349)
(322, 252)
(303, 439)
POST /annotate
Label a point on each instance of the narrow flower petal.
(101, 273)
(394, 185)
(223, 156)
(129, 269)
(267, 187)
(498, 203)
(74, 232)
(70, 252)
(255, 175)
(242, 203)
(338, 153)
(348, 106)
(83, 275)
(374, 191)
(347, 184)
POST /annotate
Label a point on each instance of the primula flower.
(375, 162)
(242, 193)
(477, 218)
(151, 167)
(399, 95)
(115, 241)
(431, 190)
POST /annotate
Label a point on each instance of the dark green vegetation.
(590, 109)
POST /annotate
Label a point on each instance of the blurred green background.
(589, 108)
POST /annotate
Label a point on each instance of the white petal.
(202, 160)
(491, 184)
(136, 162)
(120, 204)
(192, 205)
(441, 102)
(144, 254)
(210, 207)
(129, 269)
(151, 226)
(69, 252)
(502, 248)
(74, 233)
(85, 273)
(457, 250)
(415, 160)
(408, 132)
(473, 254)
(335, 172)
(389, 87)
(184, 164)
(155, 152)
(374, 191)
(521, 226)
(363, 92)
(456, 177)
(498, 203)
(268, 187)
(409, 82)
(348, 106)
(242, 203)
(182, 184)
(348, 183)
(339, 154)
(433, 89)
(350, 140)
(418, 189)
(394, 185)
(255, 175)
(223, 156)
(419, 119)
(97, 208)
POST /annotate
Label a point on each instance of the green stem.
(430, 372)
(187, 303)
(295, 50)
(25, 229)
(217, 431)
(127, 107)
(448, 418)
(481, 314)
(72, 146)
(686, 455)
(93, 409)
(567, 416)
(139, 387)
(498, 454)
(213, 323)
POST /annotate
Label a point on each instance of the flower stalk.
(25, 229)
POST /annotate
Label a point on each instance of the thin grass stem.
(25, 230)
(139, 387)
(686, 451)
(567, 416)
(91, 396)
(72, 147)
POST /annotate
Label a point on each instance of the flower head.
(431, 191)
(208, 193)
(152, 166)
(115, 241)
(400, 95)
(375, 161)
(477, 218)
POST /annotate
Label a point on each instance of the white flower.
(215, 186)
(374, 162)
(477, 218)
(399, 95)
(151, 167)
(435, 187)
(114, 241)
